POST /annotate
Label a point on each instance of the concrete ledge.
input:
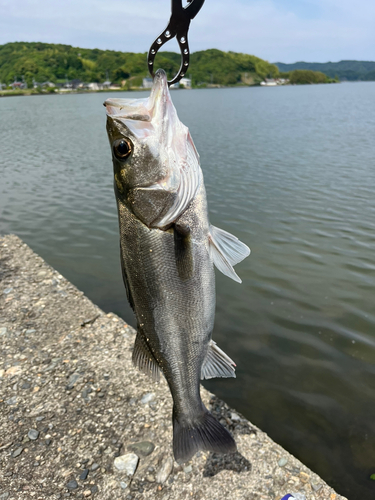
(71, 402)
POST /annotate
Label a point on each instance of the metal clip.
(178, 27)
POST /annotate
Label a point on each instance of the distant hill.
(58, 63)
(344, 70)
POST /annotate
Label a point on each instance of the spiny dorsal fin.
(143, 359)
(217, 363)
(226, 251)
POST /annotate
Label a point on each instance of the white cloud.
(279, 30)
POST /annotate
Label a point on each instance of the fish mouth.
(160, 75)
(160, 88)
(143, 109)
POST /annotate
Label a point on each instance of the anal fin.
(217, 363)
(143, 359)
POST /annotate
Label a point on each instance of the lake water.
(291, 172)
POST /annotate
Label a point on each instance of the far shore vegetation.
(40, 68)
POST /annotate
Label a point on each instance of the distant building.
(175, 85)
(94, 86)
(269, 82)
(186, 82)
(43, 84)
(73, 84)
(18, 85)
(106, 84)
(115, 86)
(147, 83)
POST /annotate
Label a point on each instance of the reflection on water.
(291, 172)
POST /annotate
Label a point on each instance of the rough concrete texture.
(71, 402)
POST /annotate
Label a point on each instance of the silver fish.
(168, 251)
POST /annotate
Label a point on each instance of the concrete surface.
(77, 418)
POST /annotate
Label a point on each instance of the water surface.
(291, 172)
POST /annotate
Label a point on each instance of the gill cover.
(165, 190)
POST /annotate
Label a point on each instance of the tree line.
(342, 70)
(39, 62)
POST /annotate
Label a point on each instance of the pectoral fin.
(217, 363)
(226, 251)
(190, 179)
(143, 359)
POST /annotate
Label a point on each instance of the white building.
(94, 86)
(186, 82)
(269, 82)
(147, 83)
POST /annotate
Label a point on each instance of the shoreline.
(27, 93)
(73, 405)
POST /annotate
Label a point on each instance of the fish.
(168, 252)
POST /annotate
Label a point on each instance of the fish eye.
(122, 149)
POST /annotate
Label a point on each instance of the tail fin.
(204, 434)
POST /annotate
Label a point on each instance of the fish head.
(151, 151)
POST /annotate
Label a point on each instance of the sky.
(276, 30)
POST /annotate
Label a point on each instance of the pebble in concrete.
(73, 379)
(84, 474)
(33, 434)
(72, 485)
(283, 461)
(299, 496)
(316, 486)
(17, 452)
(143, 448)
(165, 470)
(146, 398)
(127, 463)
